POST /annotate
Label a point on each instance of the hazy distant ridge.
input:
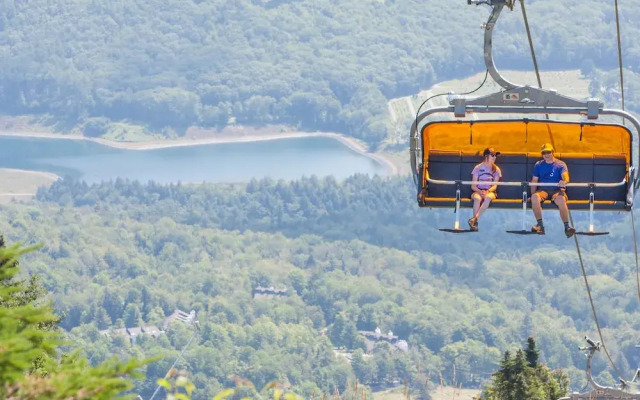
(321, 65)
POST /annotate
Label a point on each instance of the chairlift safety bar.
(577, 184)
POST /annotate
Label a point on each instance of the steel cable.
(575, 237)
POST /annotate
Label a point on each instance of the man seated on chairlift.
(550, 170)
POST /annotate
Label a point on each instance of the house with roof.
(269, 292)
(132, 333)
(373, 337)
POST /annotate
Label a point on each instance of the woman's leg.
(477, 199)
(485, 204)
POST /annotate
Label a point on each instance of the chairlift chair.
(599, 155)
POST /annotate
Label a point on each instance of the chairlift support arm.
(497, 5)
(515, 94)
(593, 347)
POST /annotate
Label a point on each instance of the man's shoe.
(473, 224)
(539, 229)
(570, 231)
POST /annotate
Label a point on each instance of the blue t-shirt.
(549, 172)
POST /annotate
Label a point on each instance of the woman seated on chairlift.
(483, 193)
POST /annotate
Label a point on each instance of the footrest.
(457, 230)
(592, 233)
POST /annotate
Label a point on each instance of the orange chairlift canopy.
(526, 136)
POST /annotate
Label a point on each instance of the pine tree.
(520, 385)
(500, 389)
(532, 352)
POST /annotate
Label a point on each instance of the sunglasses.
(493, 154)
(544, 153)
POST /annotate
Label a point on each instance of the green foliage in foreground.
(179, 387)
(27, 340)
(522, 377)
(21, 339)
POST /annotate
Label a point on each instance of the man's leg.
(561, 202)
(536, 204)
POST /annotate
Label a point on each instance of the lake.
(289, 158)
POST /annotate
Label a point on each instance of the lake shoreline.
(43, 174)
(350, 142)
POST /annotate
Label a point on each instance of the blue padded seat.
(443, 165)
(580, 170)
(611, 169)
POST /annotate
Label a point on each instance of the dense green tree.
(113, 304)
(364, 367)
(132, 316)
(343, 332)
(102, 319)
(298, 281)
(532, 353)
(517, 379)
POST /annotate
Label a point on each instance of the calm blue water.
(232, 162)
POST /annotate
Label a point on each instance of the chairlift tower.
(599, 392)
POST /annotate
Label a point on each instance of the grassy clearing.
(400, 159)
(441, 393)
(569, 83)
(22, 185)
(125, 132)
(451, 393)
(390, 394)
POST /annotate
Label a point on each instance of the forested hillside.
(606, 86)
(354, 256)
(318, 65)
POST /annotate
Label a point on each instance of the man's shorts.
(551, 194)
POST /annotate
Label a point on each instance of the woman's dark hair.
(494, 168)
